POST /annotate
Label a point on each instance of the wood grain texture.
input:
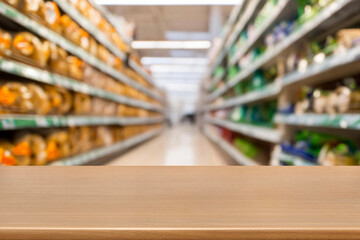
(181, 203)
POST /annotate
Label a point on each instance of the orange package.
(5, 41)
(51, 15)
(31, 47)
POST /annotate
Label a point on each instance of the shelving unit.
(324, 17)
(225, 35)
(335, 16)
(111, 19)
(93, 30)
(93, 155)
(341, 121)
(279, 11)
(100, 37)
(251, 9)
(268, 92)
(12, 122)
(230, 150)
(288, 159)
(33, 26)
(262, 133)
(39, 75)
(42, 124)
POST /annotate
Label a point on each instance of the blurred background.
(170, 82)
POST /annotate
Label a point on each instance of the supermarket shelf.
(246, 16)
(251, 10)
(105, 151)
(343, 121)
(311, 26)
(215, 81)
(267, 93)
(46, 33)
(231, 21)
(100, 36)
(231, 150)
(134, 65)
(275, 15)
(262, 133)
(43, 76)
(70, 10)
(294, 160)
(11, 122)
(334, 66)
(321, 71)
(110, 17)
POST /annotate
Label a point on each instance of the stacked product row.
(52, 80)
(40, 148)
(300, 73)
(19, 97)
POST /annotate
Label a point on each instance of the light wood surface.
(151, 203)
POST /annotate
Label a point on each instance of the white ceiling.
(180, 80)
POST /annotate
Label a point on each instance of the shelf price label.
(7, 124)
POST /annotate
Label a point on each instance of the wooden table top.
(180, 203)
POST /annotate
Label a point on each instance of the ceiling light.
(167, 2)
(175, 61)
(177, 69)
(171, 44)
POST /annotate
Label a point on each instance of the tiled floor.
(180, 146)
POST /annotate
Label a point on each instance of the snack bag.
(39, 99)
(22, 153)
(34, 147)
(51, 15)
(58, 60)
(6, 156)
(57, 146)
(82, 104)
(29, 46)
(5, 42)
(14, 97)
(76, 67)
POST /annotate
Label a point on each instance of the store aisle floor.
(182, 145)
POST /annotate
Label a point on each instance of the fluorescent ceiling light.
(167, 2)
(175, 75)
(177, 69)
(170, 60)
(171, 44)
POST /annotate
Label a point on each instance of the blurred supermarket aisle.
(182, 145)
